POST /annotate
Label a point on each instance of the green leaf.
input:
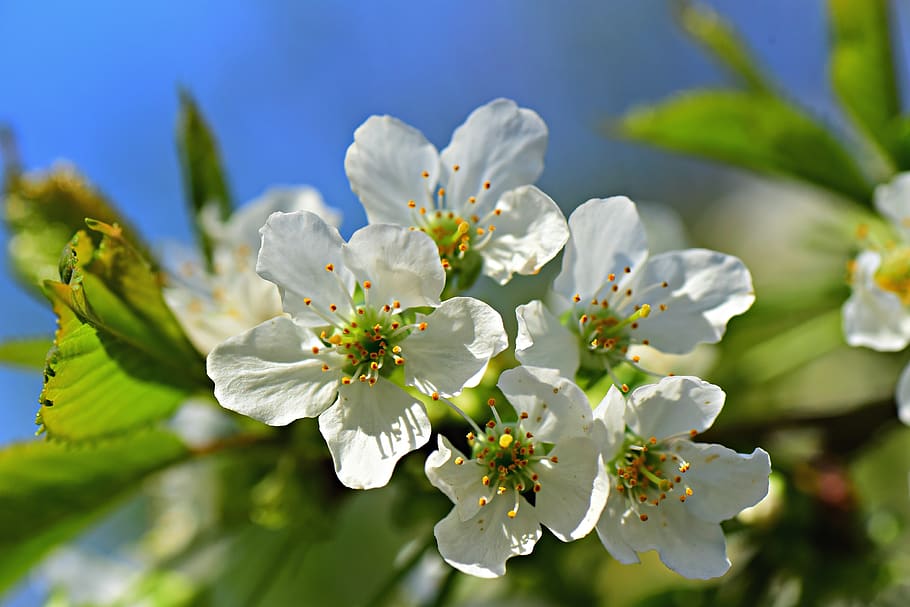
(26, 353)
(43, 212)
(722, 41)
(97, 384)
(755, 132)
(49, 491)
(204, 178)
(862, 67)
(120, 359)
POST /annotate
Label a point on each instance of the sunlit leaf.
(719, 38)
(756, 132)
(119, 358)
(42, 212)
(49, 490)
(862, 67)
(26, 353)
(96, 384)
(204, 178)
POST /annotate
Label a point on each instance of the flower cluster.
(371, 331)
(877, 313)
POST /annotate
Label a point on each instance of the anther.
(486, 481)
(624, 387)
(511, 514)
(486, 185)
(435, 396)
(665, 284)
(643, 517)
(554, 459)
(482, 501)
(627, 269)
(455, 168)
(425, 174)
(422, 326)
(329, 267)
(367, 284)
(307, 300)
(412, 204)
(315, 349)
(577, 298)
(459, 460)
(524, 415)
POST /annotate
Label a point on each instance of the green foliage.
(751, 131)
(42, 212)
(204, 179)
(25, 353)
(49, 490)
(862, 68)
(119, 360)
(711, 31)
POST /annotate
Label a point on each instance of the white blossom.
(668, 493)
(611, 295)
(473, 198)
(877, 313)
(212, 306)
(354, 318)
(546, 452)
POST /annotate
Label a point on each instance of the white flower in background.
(666, 492)
(610, 295)
(903, 396)
(214, 306)
(877, 314)
(546, 452)
(473, 198)
(353, 317)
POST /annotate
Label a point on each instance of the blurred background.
(284, 84)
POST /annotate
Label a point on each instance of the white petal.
(462, 483)
(400, 263)
(689, 546)
(556, 407)
(573, 491)
(610, 425)
(893, 201)
(542, 341)
(673, 406)
(296, 249)
(243, 226)
(462, 335)
(705, 289)
(609, 529)
(370, 429)
(482, 545)
(385, 165)
(530, 231)
(903, 396)
(270, 374)
(873, 317)
(500, 143)
(723, 481)
(606, 237)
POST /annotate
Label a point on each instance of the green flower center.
(893, 274)
(507, 453)
(369, 339)
(647, 473)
